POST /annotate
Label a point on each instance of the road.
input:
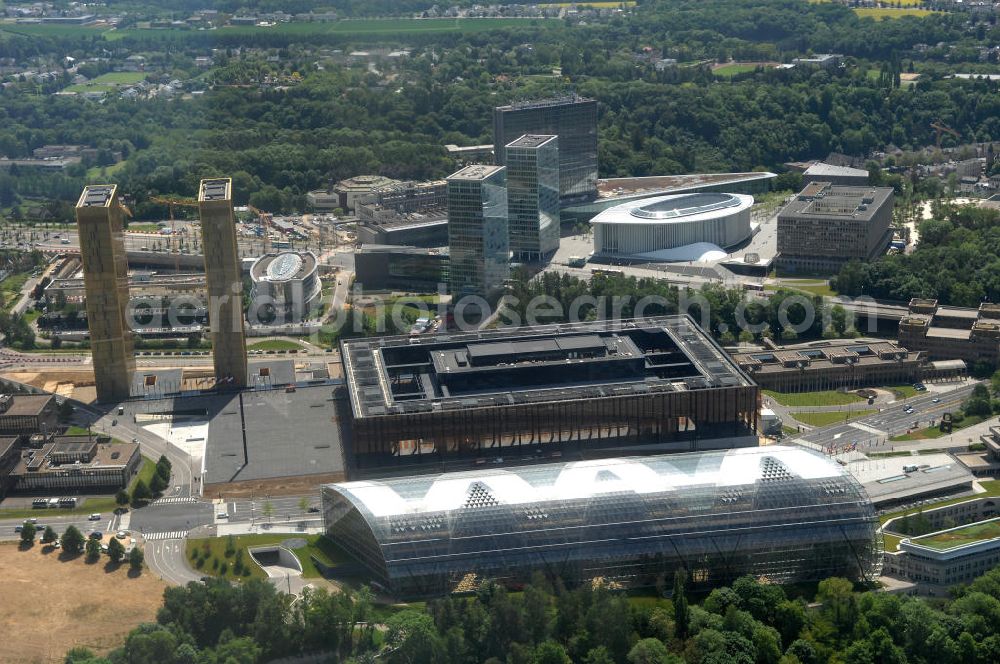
(874, 430)
(109, 523)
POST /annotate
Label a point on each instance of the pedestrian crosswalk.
(173, 534)
(174, 499)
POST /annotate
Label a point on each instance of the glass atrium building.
(782, 514)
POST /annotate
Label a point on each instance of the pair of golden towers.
(99, 218)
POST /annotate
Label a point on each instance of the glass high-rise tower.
(479, 253)
(533, 196)
(574, 120)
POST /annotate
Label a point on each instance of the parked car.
(94, 517)
(121, 534)
(97, 534)
(223, 515)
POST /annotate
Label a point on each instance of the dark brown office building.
(599, 388)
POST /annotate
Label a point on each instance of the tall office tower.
(479, 254)
(574, 120)
(533, 196)
(225, 285)
(105, 278)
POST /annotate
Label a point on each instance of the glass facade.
(574, 120)
(478, 242)
(782, 514)
(533, 196)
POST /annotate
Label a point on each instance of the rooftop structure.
(353, 190)
(827, 225)
(838, 175)
(105, 274)
(647, 227)
(615, 191)
(780, 513)
(597, 386)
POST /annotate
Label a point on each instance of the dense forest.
(279, 141)
(748, 622)
(956, 261)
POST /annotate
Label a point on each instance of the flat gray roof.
(475, 172)
(531, 141)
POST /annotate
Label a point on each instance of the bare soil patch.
(52, 604)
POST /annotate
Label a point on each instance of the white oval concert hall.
(651, 228)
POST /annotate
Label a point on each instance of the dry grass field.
(52, 604)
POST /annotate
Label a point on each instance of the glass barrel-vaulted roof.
(784, 513)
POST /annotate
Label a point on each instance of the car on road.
(94, 517)
(32, 520)
(18, 529)
(935, 400)
(223, 515)
(313, 509)
(97, 534)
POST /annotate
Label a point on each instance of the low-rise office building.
(76, 464)
(826, 226)
(352, 190)
(412, 269)
(946, 333)
(25, 414)
(9, 458)
(831, 366)
(843, 176)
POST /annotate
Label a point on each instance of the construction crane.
(170, 203)
(941, 128)
(264, 219)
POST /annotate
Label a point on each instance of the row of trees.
(74, 543)
(730, 314)
(748, 622)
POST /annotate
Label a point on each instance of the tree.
(49, 535)
(141, 493)
(157, 484)
(135, 559)
(412, 637)
(550, 652)
(121, 498)
(72, 540)
(115, 550)
(28, 533)
(93, 549)
(682, 615)
(651, 651)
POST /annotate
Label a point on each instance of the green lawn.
(96, 172)
(728, 71)
(935, 431)
(992, 488)
(146, 472)
(211, 549)
(274, 344)
(902, 391)
(10, 288)
(891, 542)
(974, 532)
(824, 398)
(826, 418)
